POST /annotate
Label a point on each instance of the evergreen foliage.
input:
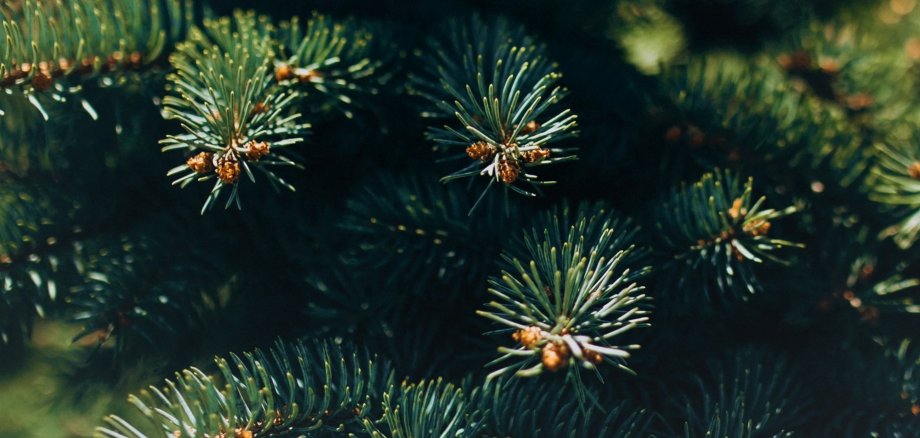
(497, 83)
(738, 194)
(748, 396)
(715, 230)
(51, 47)
(300, 387)
(567, 290)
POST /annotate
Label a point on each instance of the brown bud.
(283, 72)
(673, 134)
(135, 59)
(257, 150)
(480, 151)
(531, 126)
(114, 60)
(697, 137)
(912, 47)
(555, 356)
(757, 228)
(829, 65)
(228, 170)
(508, 170)
(41, 81)
(592, 356)
(259, 108)
(535, 156)
(528, 337)
(915, 409)
(736, 211)
(201, 163)
(860, 101)
(797, 61)
(87, 64)
(914, 170)
(49, 69)
(64, 64)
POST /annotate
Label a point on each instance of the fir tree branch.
(879, 392)
(39, 256)
(237, 119)
(130, 294)
(294, 388)
(502, 90)
(411, 227)
(725, 112)
(895, 183)
(533, 408)
(52, 47)
(567, 290)
(429, 408)
(716, 231)
(750, 395)
(333, 59)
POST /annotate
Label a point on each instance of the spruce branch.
(715, 231)
(333, 59)
(721, 110)
(567, 290)
(428, 408)
(39, 259)
(237, 120)
(730, 113)
(884, 392)
(411, 227)
(498, 85)
(301, 387)
(341, 302)
(861, 277)
(895, 183)
(533, 408)
(52, 47)
(134, 300)
(749, 395)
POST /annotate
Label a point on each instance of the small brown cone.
(528, 337)
(535, 156)
(259, 108)
(41, 81)
(796, 61)
(736, 211)
(201, 162)
(673, 134)
(228, 170)
(914, 170)
(508, 170)
(283, 72)
(531, 126)
(592, 356)
(555, 356)
(859, 101)
(757, 228)
(480, 151)
(135, 59)
(257, 150)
